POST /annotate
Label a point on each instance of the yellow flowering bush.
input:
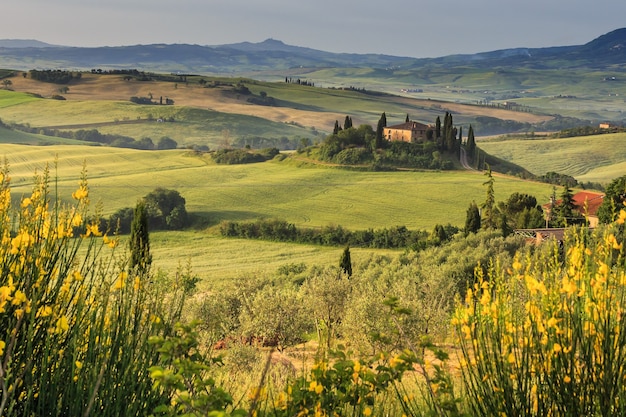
(72, 342)
(547, 337)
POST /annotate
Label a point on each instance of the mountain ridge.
(271, 54)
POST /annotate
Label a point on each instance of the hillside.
(305, 195)
(585, 84)
(207, 109)
(597, 158)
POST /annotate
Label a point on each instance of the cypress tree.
(488, 206)
(347, 124)
(336, 128)
(345, 263)
(380, 131)
(472, 220)
(471, 143)
(566, 209)
(437, 128)
(140, 257)
(407, 120)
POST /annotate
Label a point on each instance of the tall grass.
(74, 320)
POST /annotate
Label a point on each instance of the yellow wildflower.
(2, 345)
(112, 243)
(367, 412)
(77, 220)
(119, 284)
(466, 331)
(78, 364)
(81, 193)
(44, 311)
(77, 276)
(568, 286)
(622, 217)
(19, 298)
(62, 325)
(613, 242)
(567, 379)
(397, 360)
(93, 229)
(557, 348)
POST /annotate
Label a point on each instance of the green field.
(292, 190)
(308, 196)
(218, 261)
(583, 94)
(598, 158)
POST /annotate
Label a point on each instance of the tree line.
(95, 136)
(53, 76)
(387, 238)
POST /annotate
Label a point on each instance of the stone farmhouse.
(410, 131)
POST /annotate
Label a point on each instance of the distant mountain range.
(607, 51)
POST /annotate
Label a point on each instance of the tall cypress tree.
(566, 209)
(380, 131)
(140, 257)
(471, 143)
(336, 128)
(407, 120)
(345, 263)
(437, 128)
(347, 124)
(488, 219)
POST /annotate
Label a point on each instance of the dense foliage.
(614, 200)
(243, 156)
(165, 209)
(54, 76)
(283, 231)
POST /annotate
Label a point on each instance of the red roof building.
(587, 203)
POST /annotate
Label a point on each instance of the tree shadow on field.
(204, 219)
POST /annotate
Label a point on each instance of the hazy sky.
(415, 28)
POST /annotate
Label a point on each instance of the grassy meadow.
(597, 158)
(308, 196)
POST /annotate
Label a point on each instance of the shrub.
(547, 336)
(74, 322)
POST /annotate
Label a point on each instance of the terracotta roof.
(409, 126)
(593, 202)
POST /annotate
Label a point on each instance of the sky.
(411, 28)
